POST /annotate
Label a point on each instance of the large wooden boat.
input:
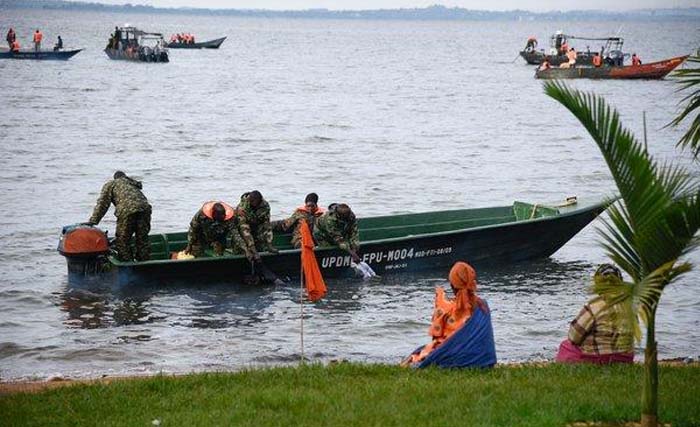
(41, 55)
(652, 70)
(389, 244)
(210, 44)
(131, 44)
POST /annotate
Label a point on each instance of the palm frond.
(689, 79)
(659, 214)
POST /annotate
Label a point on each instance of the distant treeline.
(436, 12)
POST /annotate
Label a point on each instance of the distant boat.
(389, 244)
(42, 55)
(612, 49)
(652, 71)
(131, 44)
(211, 44)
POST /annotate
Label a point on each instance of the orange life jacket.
(15, 46)
(318, 212)
(636, 60)
(597, 61)
(208, 210)
(38, 36)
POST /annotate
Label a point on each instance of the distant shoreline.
(431, 13)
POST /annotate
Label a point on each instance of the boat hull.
(42, 55)
(210, 44)
(122, 55)
(487, 245)
(536, 58)
(651, 71)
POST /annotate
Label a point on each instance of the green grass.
(365, 395)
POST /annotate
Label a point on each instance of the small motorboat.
(389, 244)
(41, 55)
(131, 44)
(652, 71)
(210, 44)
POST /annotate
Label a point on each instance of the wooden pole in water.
(644, 121)
(301, 307)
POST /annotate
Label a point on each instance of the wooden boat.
(389, 244)
(210, 44)
(536, 57)
(653, 70)
(132, 44)
(42, 55)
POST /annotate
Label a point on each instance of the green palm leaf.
(660, 210)
(689, 79)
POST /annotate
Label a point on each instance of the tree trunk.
(650, 392)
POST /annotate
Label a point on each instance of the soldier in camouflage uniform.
(308, 212)
(211, 227)
(338, 227)
(254, 228)
(133, 214)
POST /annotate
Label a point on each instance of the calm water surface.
(389, 116)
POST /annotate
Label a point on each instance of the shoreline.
(39, 386)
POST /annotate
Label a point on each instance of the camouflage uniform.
(294, 223)
(254, 228)
(133, 216)
(330, 230)
(206, 232)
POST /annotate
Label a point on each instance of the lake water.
(388, 116)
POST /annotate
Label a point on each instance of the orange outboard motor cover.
(83, 240)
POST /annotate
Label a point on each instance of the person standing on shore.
(133, 214)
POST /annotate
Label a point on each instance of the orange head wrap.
(463, 279)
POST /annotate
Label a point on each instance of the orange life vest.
(318, 212)
(38, 36)
(636, 60)
(208, 210)
(15, 46)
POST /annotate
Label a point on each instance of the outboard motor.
(85, 247)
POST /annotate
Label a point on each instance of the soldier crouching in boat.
(133, 214)
(308, 212)
(338, 227)
(255, 230)
(211, 227)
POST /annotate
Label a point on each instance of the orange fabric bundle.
(315, 286)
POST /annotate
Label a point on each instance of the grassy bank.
(365, 395)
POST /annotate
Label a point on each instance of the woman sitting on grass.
(461, 327)
(594, 336)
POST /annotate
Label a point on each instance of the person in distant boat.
(564, 49)
(11, 37)
(211, 227)
(593, 336)
(545, 65)
(38, 36)
(572, 57)
(133, 214)
(464, 320)
(59, 44)
(531, 44)
(254, 227)
(117, 38)
(15, 46)
(597, 60)
(173, 38)
(308, 212)
(338, 227)
(635, 60)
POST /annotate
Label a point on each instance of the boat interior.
(163, 246)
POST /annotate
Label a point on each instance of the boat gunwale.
(588, 207)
